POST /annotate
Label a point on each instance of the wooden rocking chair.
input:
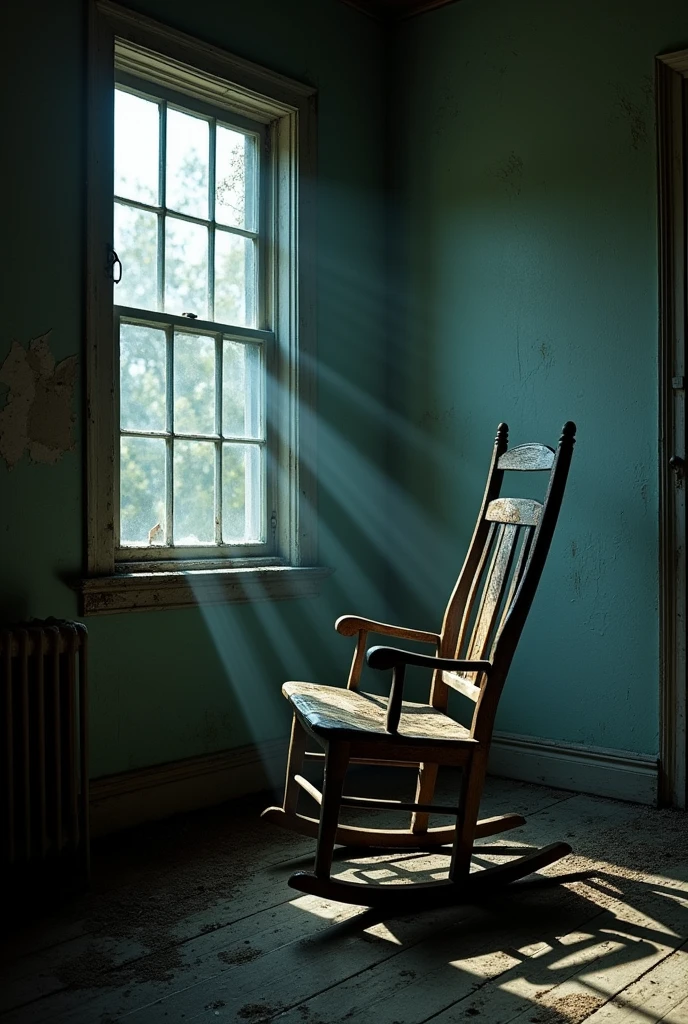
(482, 624)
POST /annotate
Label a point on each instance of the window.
(199, 348)
(190, 217)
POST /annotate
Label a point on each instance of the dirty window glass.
(192, 470)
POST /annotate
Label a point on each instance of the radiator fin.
(43, 755)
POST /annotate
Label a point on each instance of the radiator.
(43, 749)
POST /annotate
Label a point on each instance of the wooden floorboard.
(192, 920)
(654, 997)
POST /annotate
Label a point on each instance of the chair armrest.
(349, 625)
(392, 657)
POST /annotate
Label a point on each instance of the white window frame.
(123, 40)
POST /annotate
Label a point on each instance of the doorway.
(672, 153)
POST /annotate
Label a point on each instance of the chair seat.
(350, 714)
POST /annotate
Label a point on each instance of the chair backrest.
(495, 589)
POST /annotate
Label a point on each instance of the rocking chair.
(482, 624)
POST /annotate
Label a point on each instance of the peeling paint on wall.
(37, 417)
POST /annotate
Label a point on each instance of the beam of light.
(402, 531)
(259, 644)
(382, 931)
(260, 648)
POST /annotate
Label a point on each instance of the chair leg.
(297, 749)
(425, 790)
(473, 775)
(336, 764)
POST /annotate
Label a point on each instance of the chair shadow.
(584, 928)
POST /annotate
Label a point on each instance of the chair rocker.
(482, 624)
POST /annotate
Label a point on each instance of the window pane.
(194, 384)
(242, 490)
(187, 164)
(235, 179)
(137, 127)
(136, 242)
(143, 375)
(235, 279)
(186, 267)
(194, 492)
(241, 390)
(142, 491)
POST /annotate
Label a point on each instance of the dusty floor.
(191, 919)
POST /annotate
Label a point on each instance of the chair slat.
(462, 685)
(495, 585)
(527, 457)
(517, 576)
(523, 511)
(474, 591)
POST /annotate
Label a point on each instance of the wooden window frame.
(672, 166)
(146, 48)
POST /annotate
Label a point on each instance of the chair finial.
(502, 435)
(568, 432)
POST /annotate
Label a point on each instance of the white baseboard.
(618, 774)
(147, 794)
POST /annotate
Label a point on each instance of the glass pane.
(242, 490)
(235, 279)
(235, 179)
(136, 242)
(186, 267)
(194, 493)
(142, 491)
(143, 376)
(137, 128)
(241, 390)
(187, 164)
(194, 384)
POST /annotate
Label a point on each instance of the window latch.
(678, 465)
(115, 267)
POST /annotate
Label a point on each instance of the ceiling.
(394, 10)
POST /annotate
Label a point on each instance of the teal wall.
(487, 251)
(525, 290)
(174, 684)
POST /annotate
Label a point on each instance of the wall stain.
(518, 353)
(441, 416)
(539, 359)
(577, 583)
(546, 353)
(37, 417)
(510, 174)
(648, 89)
(636, 117)
(585, 577)
(216, 728)
(640, 474)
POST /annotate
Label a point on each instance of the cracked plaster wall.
(38, 415)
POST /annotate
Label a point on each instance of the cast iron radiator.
(43, 750)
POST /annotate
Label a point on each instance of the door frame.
(672, 165)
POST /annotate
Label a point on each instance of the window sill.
(151, 591)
